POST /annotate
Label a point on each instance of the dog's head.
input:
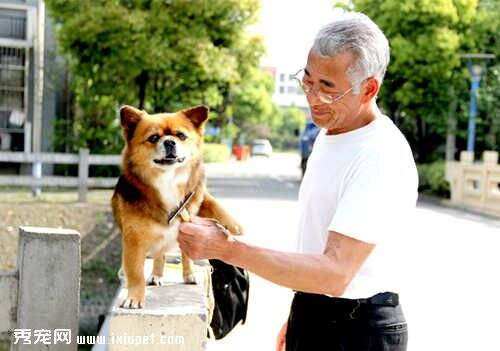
(162, 141)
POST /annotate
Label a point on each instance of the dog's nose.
(170, 147)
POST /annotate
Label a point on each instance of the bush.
(215, 152)
(431, 179)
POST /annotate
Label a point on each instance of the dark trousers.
(319, 322)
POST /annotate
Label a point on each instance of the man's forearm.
(309, 273)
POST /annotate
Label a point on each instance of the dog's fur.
(162, 162)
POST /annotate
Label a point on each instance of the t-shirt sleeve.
(374, 201)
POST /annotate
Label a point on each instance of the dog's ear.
(198, 115)
(129, 117)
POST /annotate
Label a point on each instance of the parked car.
(262, 147)
(306, 143)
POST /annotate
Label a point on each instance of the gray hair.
(355, 33)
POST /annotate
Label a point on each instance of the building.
(29, 78)
(287, 91)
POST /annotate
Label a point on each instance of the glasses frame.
(324, 98)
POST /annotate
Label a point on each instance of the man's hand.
(204, 238)
(281, 341)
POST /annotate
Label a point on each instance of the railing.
(475, 184)
(82, 182)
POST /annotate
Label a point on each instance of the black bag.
(231, 290)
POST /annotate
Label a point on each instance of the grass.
(4, 343)
(52, 195)
(99, 268)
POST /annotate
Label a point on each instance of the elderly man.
(359, 189)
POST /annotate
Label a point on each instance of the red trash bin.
(242, 152)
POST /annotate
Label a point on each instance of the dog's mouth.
(169, 160)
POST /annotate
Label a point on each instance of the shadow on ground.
(101, 258)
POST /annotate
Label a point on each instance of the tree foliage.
(488, 125)
(161, 55)
(427, 80)
(292, 122)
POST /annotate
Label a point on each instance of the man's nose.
(314, 100)
(169, 147)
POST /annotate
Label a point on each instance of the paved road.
(263, 194)
(451, 294)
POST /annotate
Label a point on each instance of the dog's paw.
(154, 280)
(190, 279)
(132, 303)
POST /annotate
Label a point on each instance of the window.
(12, 24)
(12, 89)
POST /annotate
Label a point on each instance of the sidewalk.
(451, 296)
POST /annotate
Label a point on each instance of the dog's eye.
(154, 138)
(181, 136)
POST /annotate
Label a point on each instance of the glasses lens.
(307, 88)
(326, 99)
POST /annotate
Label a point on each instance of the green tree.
(292, 122)
(255, 114)
(161, 56)
(488, 126)
(426, 75)
(486, 29)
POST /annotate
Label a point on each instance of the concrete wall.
(175, 318)
(8, 300)
(44, 292)
(475, 185)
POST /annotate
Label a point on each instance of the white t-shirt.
(362, 184)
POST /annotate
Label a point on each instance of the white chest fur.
(168, 184)
(166, 237)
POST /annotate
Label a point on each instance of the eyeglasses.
(323, 97)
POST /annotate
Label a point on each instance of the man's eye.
(154, 138)
(181, 136)
(331, 93)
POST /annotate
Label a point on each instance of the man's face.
(329, 76)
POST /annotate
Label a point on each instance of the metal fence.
(83, 159)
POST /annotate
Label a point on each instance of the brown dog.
(162, 164)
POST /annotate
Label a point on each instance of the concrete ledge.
(49, 233)
(175, 317)
(8, 300)
(49, 283)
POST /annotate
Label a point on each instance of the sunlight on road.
(267, 223)
(451, 290)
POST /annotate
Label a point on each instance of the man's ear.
(129, 117)
(198, 115)
(370, 89)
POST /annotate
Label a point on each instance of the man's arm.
(327, 273)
